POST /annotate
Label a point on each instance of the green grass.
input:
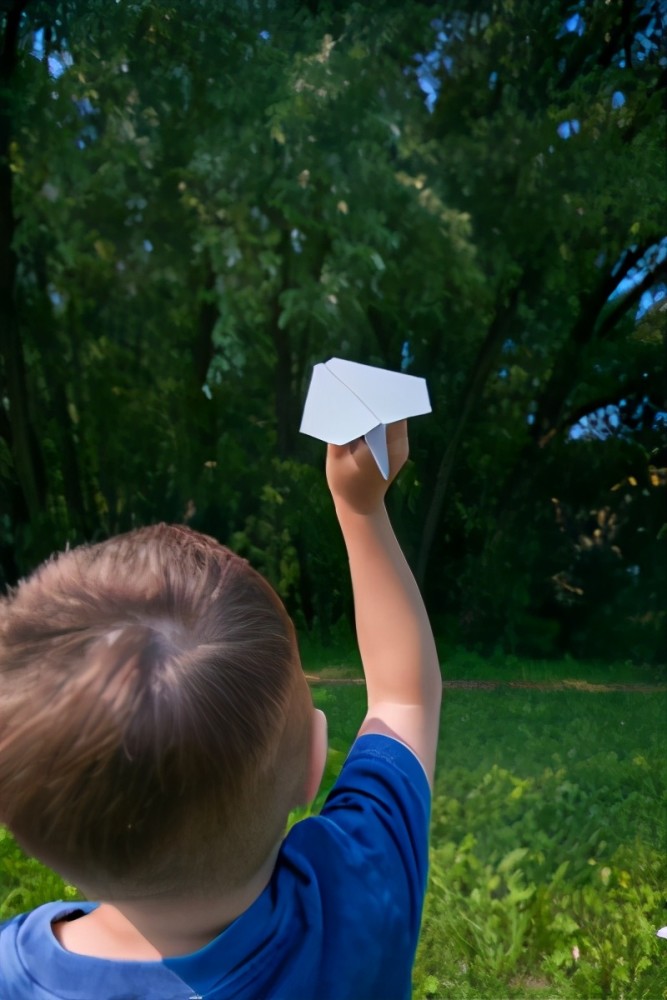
(548, 840)
(548, 863)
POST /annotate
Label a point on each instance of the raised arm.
(395, 638)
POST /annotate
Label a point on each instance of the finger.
(398, 445)
(397, 431)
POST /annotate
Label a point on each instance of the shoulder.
(33, 965)
(391, 751)
(375, 821)
(357, 872)
(27, 948)
(382, 769)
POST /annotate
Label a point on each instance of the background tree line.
(200, 200)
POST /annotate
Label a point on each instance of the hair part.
(154, 718)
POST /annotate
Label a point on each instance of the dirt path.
(321, 680)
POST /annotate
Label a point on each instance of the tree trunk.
(26, 454)
(472, 394)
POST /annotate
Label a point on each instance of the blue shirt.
(339, 919)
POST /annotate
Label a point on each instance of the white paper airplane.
(662, 933)
(347, 400)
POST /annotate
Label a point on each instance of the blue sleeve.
(381, 802)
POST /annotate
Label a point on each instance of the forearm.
(395, 639)
(393, 631)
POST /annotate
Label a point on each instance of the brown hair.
(154, 718)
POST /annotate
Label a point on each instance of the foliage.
(547, 837)
(201, 200)
(300, 553)
(25, 882)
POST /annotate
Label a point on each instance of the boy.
(155, 731)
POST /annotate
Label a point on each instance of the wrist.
(351, 512)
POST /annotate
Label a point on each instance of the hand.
(352, 473)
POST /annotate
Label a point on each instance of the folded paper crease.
(347, 400)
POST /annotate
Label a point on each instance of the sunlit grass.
(548, 867)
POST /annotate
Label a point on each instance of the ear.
(318, 755)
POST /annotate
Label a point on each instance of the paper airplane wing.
(347, 400)
(333, 413)
(389, 395)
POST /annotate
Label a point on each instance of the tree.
(202, 200)
(556, 215)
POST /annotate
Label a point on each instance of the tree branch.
(616, 313)
(610, 398)
(472, 393)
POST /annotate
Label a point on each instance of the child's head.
(155, 724)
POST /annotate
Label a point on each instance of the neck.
(149, 930)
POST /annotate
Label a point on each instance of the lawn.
(548, 858)
(548, 861)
